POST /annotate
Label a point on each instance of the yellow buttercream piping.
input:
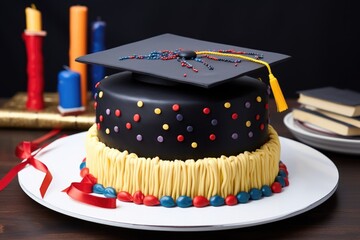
(207, 177)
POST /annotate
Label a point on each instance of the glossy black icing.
(187, 54)
(181, 122)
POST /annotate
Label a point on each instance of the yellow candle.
(78, 45)
(33, 19)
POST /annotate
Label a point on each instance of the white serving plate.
(313, 179)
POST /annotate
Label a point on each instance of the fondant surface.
(181, 122)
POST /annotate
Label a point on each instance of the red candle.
(33, 38)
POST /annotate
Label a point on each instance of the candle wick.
(33, 6)
(66, 67)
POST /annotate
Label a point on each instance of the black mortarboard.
(187, 60)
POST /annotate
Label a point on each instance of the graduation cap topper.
(173, 58)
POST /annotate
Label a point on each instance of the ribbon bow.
(81, 191)
(24, 151)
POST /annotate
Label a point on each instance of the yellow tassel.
(278, 95)
(275, 87)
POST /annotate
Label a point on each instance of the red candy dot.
(97, 84)
(206, 110)
(180, 138)
(262, 126)
(176, 107)
(231, 200)
(212, 137)
(257, 117)
(200, 201)
(282, 166)
(84, 172)
(98, 126)
(101, 118)
(234, 116)
(286, 181)
(136, 117)
(128, 125)
(117, 112)
(276, 187)
(138, 197)
(266, 106)
(151, 200)
(124, 196)
(95, 105)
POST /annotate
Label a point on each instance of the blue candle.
(97, 44)
(69, 89)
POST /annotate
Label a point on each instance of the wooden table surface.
(337, 218)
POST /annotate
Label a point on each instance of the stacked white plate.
(320, 139)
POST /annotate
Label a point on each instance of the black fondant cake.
(182, 122)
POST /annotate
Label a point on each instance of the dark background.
(320, 36)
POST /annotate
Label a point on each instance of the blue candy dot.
(189, 128)
(110, 192)
(82, 165)
(266, 191)
(282, 173)
(243, 197)
(167, 201)
(255, 194)
(184, 201)
(281, 180)
(214, 122)
(98, 188)
(217, 201)
(179, 117)
(234, 136)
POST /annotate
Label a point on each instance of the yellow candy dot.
(194, 145)
(107, 131)
(157, 111)
(165, 126)
(227, 105)
(258, 99)
(140, 104)
(101, 94)
(248, 123)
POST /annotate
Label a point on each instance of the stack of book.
(331, 109)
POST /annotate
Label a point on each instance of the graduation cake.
(182, 125)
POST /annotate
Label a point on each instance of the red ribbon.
(30, 159)
(24, 151)
(81, 191)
